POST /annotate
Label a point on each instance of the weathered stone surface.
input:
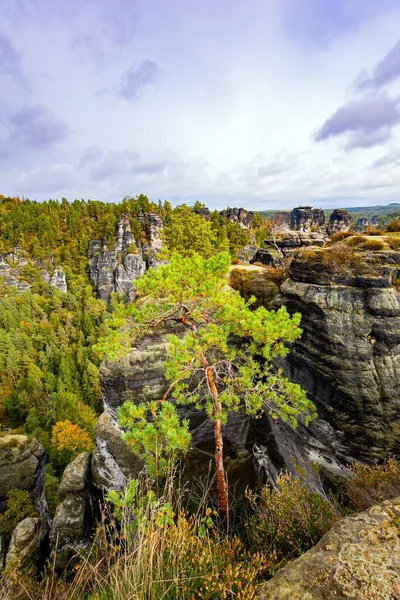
(73, 520)
(238, 215)
(358, 558)
(339, 220)
(24, 549)
(252, 280)
(348, 358)
(22, 466)
(305, 218)
(252, 447)
(112, 463)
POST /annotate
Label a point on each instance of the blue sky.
(262, 104)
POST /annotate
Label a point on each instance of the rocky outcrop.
(238, 215)
(358, 558)
(22, 466)
(348, 358)
(254, 448)
(112, 463)
(73, 520)
(113, 270)
(25, 546)
(306, 219)
(11, 269)
(339, 220)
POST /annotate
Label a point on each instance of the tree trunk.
(222, 488)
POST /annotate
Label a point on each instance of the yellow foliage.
(68, 437)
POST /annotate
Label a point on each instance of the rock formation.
(340, 220)
(73, 520)
(348, 358)
(25, 545)
(306, 218)
(358, 558)
(238, 215)
(11, 266)
(113, 270)
(22, 466)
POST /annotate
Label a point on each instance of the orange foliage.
(68, 437)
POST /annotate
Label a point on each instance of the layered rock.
(74, 516)
(339, 220)
(253, 447)
(358, 558)
(306, 218)
(348, 358)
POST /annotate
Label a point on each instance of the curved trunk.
(222, 487)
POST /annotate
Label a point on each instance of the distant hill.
(357, 212)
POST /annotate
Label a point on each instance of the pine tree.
(225, 360)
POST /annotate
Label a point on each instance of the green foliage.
(154, 431)
(287, 522)
(224, 337)
(48, 370)
(187, 232)
(19, 507)
(51, 485)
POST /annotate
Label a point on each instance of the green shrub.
(19, 507)
(287, 523)
(355, 240)
(373, 244)
(370, 485)
(340, 258)
(51, 485)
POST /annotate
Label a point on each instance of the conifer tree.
(224, 360)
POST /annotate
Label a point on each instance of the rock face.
(112, 463)
(114, 270)
(348, 358)
(74, 515)
(238, 215)
(340, 220)
(11, 266)
(306, 218)
(24, 549)
(253, 447)
(22, 466)
(358, 558)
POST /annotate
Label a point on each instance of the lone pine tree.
(225, 359)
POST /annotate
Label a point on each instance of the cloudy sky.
(262, 104)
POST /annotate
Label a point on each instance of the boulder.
(22, 466)
(24, 549)
(73, 520)
(358, 558)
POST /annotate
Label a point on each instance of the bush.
(286, 524)
(277, 274)
(394, 226)
(370, 485)
(340, 258)
(373, 231)
(396, 283)
(339, 236)
(19, 507)
(369, 244)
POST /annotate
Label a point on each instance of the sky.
(261, 104)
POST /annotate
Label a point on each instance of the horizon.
(296, 102)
